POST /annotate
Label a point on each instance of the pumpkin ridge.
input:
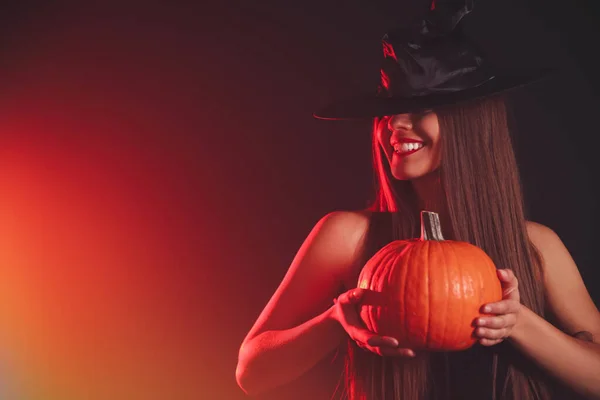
(494, 294)
(428, 295)
(467, 248)
(370, 282)
(456, 326)
(384, 286)
(403, 293)
(447, 287)
(482, 293)
(392, 261)
(398, 267)
(377, 285)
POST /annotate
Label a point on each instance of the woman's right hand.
(346, 314)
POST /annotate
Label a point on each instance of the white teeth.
(406, 147)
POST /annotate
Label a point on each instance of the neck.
(430, 196)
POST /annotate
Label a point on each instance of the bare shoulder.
(555, 256)
(556, 259)
(566, 293)
(340, 235)
(348, 226)
(540, 234)
(347, 218)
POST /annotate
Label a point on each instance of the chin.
(409, 175)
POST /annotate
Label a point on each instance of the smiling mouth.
(407, 148)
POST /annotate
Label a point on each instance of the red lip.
(405, 140)
(407, 153)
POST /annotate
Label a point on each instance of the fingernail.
(503, 273)
(410, 353)
(481, 321)
(391, 341)
(487, 309)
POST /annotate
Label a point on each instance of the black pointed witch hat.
(429, 64)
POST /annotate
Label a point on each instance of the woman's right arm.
(299, 325)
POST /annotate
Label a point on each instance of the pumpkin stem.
(431, 229)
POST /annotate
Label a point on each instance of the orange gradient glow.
(111, 223)
(94, 300)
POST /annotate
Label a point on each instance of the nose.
(400, 122)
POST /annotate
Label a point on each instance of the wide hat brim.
(370, 106)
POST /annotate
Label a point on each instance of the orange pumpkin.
(427, 292)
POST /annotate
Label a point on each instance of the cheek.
(436, 156)
(431, 128)
(383, 136)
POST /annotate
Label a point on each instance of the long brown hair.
(480, 185)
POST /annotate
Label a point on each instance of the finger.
(369, 338)
(487, 333)
(381, 341)
(361, 345)
(584, 335)
(510, 284)
(502, 307)
(388, 352)
(489, 342)
(352, 296)
(382, 347)
(500, 321)
(505, 274)
(350, 318)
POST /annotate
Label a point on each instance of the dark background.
(202, 114)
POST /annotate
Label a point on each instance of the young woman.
(440, 142)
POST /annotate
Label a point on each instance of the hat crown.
(432, 55)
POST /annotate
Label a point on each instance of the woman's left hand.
(493, 329)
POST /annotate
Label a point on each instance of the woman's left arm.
(571, 354)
